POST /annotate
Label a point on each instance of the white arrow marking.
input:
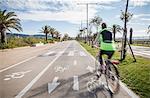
(52, 86)
(76, 83)
(22, 92)
(91, 69)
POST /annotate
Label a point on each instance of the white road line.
(38, 76)
(130, 93)
(17, 64)
(74, 62)
(76, 83)
(82, 53)
(11, 66)
(71, 53)
(143, 53)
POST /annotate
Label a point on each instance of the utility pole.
(87, 11)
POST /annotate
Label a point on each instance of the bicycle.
(111, 74)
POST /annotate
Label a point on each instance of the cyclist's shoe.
(97, 76)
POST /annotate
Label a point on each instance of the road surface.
(61, 70)
(141, 51)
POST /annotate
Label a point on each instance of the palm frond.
(10, 15)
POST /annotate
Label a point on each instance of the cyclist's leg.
(101, 52)
(99, 71)
(110, 54)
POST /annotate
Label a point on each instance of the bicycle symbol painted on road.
(16, 75)
(60, 69)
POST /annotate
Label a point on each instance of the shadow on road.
(65, 90)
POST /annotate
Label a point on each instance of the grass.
(136, 75)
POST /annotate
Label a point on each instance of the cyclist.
(106, 43)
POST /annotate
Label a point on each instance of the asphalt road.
(141, 51)
(61, 70)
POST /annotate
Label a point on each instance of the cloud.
(137, 23)
(58, 10)
(140, 2)
(140, 16)
(146, 19)
(26, 5)
(141, 19)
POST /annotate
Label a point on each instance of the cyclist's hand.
(95, 46)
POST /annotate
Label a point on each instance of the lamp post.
(87, 11)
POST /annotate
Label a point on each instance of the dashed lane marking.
(76, 83)
(74, 62)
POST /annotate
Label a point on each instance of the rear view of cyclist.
(106, 42)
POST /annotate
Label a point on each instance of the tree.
(131, 33)
(83, 32)
(96, 21)
(115, 29)
(125, 17)
(65, 37)
(148, 29)
(148, 32)
(46, 31)
(57, 34)
(52, 31)
(8, 20)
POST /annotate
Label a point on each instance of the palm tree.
(131, 33)
(52, 31)
(8, 21)
(57, 34)
(83, 31)
(45, 30)
(148, 32)
(148, 29)
(115, 29)
(96, 21)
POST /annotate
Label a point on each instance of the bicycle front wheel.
(112, 77)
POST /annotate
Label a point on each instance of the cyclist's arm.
(97, 38)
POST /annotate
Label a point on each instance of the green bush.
(14, 42)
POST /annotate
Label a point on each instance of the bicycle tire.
(112, 77)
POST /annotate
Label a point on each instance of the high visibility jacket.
(106, 41)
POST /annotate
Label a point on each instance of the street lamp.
(87, 8)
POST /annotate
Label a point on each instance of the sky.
(66, 15)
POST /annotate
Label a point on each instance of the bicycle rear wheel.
(112, 77)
